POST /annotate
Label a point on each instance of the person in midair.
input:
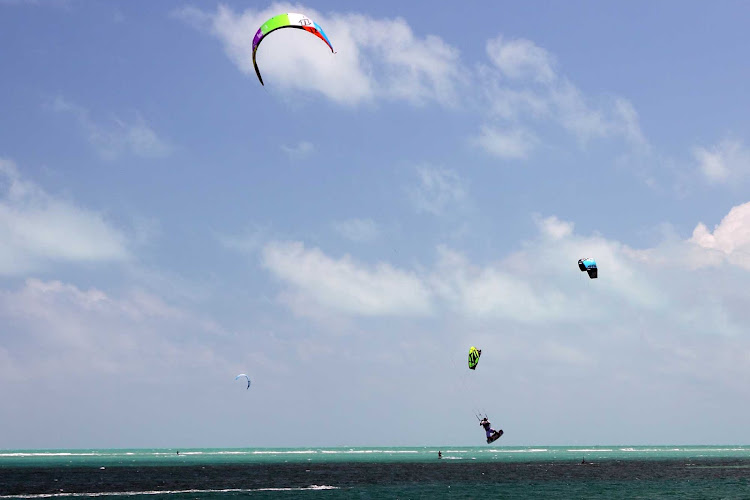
(487, 427)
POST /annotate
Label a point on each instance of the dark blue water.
(620, 472)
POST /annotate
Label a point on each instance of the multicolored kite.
(289, 20)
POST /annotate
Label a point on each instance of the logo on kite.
(243, 375)
(290, 20)
(474, 354)
(589, 265)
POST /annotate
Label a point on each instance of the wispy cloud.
(57, 329)
(508, 144)
(521, 59)
(38, 229)
(523, 89)
(728, 160)
(438, 189)
(115, 137)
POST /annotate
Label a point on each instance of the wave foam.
(312, 487)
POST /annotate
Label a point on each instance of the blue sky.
(345, 233)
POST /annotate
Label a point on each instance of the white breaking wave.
(526, 450)
(51, 454)
(210, 453)
(296, 452)
(312, 487)
(359, 452)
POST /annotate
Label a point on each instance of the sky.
(346, 232)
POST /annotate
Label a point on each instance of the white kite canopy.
(243, 375)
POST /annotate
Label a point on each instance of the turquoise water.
(187, 456)
(389, 472)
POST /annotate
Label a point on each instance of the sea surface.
(335, 473)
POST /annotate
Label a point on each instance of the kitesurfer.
(440, 454)
(487, 427)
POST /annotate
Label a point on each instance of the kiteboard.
(495, 436)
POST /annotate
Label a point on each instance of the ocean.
(371, 473)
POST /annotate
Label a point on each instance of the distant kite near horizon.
(243, 375)
(589, 265)
(290, 20)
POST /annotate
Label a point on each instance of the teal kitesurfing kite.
(589, 265)
(289, 20)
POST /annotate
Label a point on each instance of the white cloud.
(384, 59)
(361, 230)
(536, 285)
(416, 70)
(376, 58)
(498, 291)
(438, 189)
(38, 229)
(728, 160)
(711, 164)
(729, 241)
(117, 137)
(540, 283)
(509, 144)
(343, 285)
(554, 228)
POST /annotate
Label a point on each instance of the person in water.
(487, 427)
(440, 454)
